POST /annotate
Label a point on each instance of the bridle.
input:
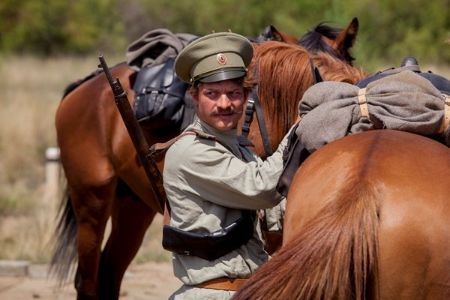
(254, 106)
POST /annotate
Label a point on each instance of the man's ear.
(194, 95)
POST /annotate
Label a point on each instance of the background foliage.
(389, 29)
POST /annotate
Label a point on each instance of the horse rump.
(334, 256)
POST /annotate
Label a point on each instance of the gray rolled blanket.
(404, 101)
(155, 47)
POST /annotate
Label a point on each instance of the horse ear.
(278, 36)
(346, 39)
(274, 34)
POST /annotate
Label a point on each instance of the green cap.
(214, 57)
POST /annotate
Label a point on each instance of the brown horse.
(367, 217)
(105, 180)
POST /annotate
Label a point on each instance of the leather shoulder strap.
(158, 150)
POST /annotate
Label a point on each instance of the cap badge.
(221, 59)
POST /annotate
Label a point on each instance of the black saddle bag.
(160, 97)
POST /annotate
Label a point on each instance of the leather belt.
(223, 283)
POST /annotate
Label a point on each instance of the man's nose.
(224, 101)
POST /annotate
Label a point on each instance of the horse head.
(283, 72)
(270, 33)
(334, 41)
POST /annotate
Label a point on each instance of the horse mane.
(314, 43)
(335, 256)
(73, 85)
(283, 73)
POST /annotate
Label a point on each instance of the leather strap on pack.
(446, 119)
(223, 283)
(362, 101)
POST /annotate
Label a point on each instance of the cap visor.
(223, 75)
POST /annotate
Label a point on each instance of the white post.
(51, 175)
(47, 212)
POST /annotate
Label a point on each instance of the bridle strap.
(262, 123)
(254, 105)
(249, 110)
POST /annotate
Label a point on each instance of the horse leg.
(91, 135)
(92, 209)
(130, 219)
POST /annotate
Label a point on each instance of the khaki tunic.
(207, 187)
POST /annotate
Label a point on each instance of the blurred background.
(45, 45)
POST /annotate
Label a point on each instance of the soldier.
(214, 184)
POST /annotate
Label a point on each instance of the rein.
(254, 106)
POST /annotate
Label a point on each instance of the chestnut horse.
(105, 180)
(367, 217)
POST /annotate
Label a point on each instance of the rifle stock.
(136, 135)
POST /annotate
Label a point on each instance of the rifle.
(136, 135)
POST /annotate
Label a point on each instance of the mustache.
(227, 111)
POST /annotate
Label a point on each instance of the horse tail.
(335, 256)
(65, 250)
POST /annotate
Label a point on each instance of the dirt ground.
(150, 281)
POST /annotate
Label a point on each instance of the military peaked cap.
(214, 57)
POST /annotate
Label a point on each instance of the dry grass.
(31, 90)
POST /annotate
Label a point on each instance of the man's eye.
(235, 95)
(210, 94)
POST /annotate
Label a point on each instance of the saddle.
(162, 102)
(401, 98)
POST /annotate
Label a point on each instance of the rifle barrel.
(136, 134)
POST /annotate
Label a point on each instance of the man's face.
(220, 104)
